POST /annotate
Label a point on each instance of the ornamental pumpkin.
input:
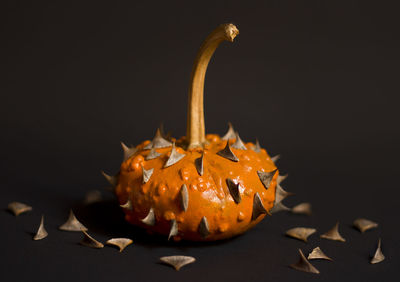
(199, 187)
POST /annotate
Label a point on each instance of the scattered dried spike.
(89, 241)
(17, 208)
(150, 219)
(333, 234)
(158, 142)
(281, 178)
(304, 265)
(121, 243)
(275, 158)
(302, 208)
(147, 174)
(41, 232)
(234, 190)
(317, 253)
(230, 134)
(153, 154)
(72, 224)
(258, 207)
(113, 180)
(174, 157)
(363, 224)
(177, 262)
(227, 153)
(301, 233)
(378, 256)
(266, 177)
(278, 207)
(199, 164)
(238, 143)
(93, 196)
(256, 148)
(203, 227)
(174, 229)
(127, 205)
(184, 197)
(281, 194)
(128, 151)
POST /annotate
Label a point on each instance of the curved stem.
(195, 123)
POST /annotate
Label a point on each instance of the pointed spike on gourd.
(279, 207)
(173, 231)
(113, 180)
(18, 208)
(121, 243)
(281, 178)
(174, 157)
(41, 232)
(317, 253)
(158, 142)
(128, 151)
(300, 233)
(363, 224)
(234, 190)
(199, 164)
(238, 143)
(274, 159)
(378, 256)
(281, 194)
(147, 174)
(127, 205)
(302, 208)
(333, 234)
(304, 265)
(150, 219)
(89, 241)
(184, 197)
(266, 177)
(256, 148)
(258, 207)
(227, 153)
(204, 229)
(72, 223)
(153, 154)
(230, 134)
(177, 262)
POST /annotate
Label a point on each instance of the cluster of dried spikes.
(160, 141)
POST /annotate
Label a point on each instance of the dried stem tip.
(17, 208)
(41, 232)
(177, 262)
(121, 243)
(300, 233)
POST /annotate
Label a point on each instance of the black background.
(316, 81)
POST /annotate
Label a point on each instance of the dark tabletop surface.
(315, 81)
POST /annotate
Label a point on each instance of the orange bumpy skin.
(208, 195)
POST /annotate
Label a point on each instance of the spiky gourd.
(199, 187)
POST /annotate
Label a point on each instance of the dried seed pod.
(147, 174)
(174, 157)
(150, 219)
(363, 224)
(199, 164)
(317, 253)
(238, 143)
(274, 159)
(174, 229)
(227, 153)
(158, 142)
(184, 197)
(278, 207)
(378, 256)
(89, 241)
(230, 134)
(128, 151)
(177, 262)
(204, 230)
(93, 196)
(304, 265)
(258, 207)
(301, 233)
(72, 224)
(121, 243)
(333, 234)
(256, 148)
(302, 208)
(153, 154)
(281, 194)
(18, 208)
(127, 205)
(234, 190)
(41, 232)
(266, 177)
(113, 180)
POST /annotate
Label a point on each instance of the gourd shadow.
(107, 218)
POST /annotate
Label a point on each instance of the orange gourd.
(199, 187)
